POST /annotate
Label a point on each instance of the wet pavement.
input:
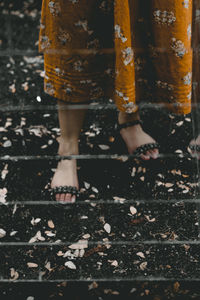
(135, 231)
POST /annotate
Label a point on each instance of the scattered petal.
(84, 217)
(80, 245)
(49, 233)
(150, 220)
(93, 285)
(81, 252)
(2, 232)
(32, 265)
(51, 224)
(119, 199)
(86, 236)
(169, 184)
(13, 233)
(87, 185)
(114, 263)
(33, 240)
(133, 171)
(140, 254)
(107, 227)
(95, 189)
(7, 143)
(133, 210)
(143, 265)
(70, 265)
(179, 123)
(35, 221)
(104, 147)
(48, 266)
(4, 172)
(14, 274)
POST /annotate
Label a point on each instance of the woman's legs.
(70, 121)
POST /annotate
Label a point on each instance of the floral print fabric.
(126, 50)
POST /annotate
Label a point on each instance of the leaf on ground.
(104, 147)
(86, 236)
(81, 244)
(143, 266)
(140, 254)
(32, 265)
(2, 232)
(133, 210)
(51, 224)
(93, 285)
(70, 265)
(13, 274)
(107, 228)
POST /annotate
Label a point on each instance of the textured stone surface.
(131, 212)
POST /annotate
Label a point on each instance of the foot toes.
(73, 199)
(57, 197)
(150, 154)
(65, 197)
(154, 153)
(145, 156)
(62, 197)
(68, 197)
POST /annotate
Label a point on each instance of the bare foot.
(195, 143)
(66, 172)
(134, 137)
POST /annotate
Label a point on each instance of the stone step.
(127, 222)
(122, 262)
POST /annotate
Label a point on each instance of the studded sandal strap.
(144, 148)
(127, 124)
(195, 148)
(65, 189)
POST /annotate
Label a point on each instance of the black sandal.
(194, 147)
(60, 190)
(51, 192)
(144, 148)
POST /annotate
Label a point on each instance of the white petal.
(60, 253)
(70, 265)
(37, 220)
(140, 254)
(87, 185)
(13, 233)
(95, 189)
(7, 143)
(32, 265)
(80, 245)
(114, 263)
(143, 265)
(86, 236)
(104, 147)
(32, 240)
(49, 233)
(2, 232)
(133, 210)
(51, 224)
(107, 227)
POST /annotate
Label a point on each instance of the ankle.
(133, 130)
(125, 117)
(68, 146)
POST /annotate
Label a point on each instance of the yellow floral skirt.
(130, 51)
